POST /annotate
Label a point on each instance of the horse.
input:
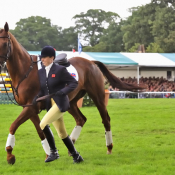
(23, 71)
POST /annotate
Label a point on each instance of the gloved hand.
(34, 102)
(59, 93)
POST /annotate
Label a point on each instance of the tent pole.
(138, 77)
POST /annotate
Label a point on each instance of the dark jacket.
(58, 79)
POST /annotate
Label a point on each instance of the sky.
(60, 12)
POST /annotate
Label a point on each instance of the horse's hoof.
(109, 151)
(11, 160)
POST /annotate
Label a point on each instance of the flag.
(73, 50)
(79, 46)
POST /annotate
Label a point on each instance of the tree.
(35, 32)
(90, 25)
(163, 28)
(138, 28)
(154, 48)
(113, 37)
(101, 47)
(166, 2)
(67, 39)
(134, 48)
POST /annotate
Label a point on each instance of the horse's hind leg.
(24, 116)
(98, 96)
(78, 116)
(80, 121)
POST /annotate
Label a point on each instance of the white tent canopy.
(150, 59)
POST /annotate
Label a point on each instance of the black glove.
(34, 102)
(59, 93)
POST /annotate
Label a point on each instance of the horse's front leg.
(25, 115)
(36, 121)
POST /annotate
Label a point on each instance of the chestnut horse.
(23, 71)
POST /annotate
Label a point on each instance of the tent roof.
(70, 54)
(111, 58)
(151, 59)
(170, 56)
(124, 59)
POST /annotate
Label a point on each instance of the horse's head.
(5, 44)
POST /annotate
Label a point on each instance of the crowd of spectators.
(153, 84)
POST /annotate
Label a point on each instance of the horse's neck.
(18, 63)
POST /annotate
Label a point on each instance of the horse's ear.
(6, 27)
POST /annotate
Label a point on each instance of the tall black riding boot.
(70, 146)
(53, 150)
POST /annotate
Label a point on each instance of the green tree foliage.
(113, 37)
(152, 25)
(154, 48)
(166, 2)
(100, 47)
(92, 24)
(134, 48)
(35, 32)
(67, 39)
(110, 41)
(163, 28)
(138, 26)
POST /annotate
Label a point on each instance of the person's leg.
(52, 115)
(61, 130)
(50, 138)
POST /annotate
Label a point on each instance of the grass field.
(143, 136)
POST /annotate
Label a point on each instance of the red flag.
(73, 50)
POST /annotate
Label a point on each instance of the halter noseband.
(9, 48)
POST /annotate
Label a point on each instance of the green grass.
(143, 136)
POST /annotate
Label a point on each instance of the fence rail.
(128, 94)
(4, 99)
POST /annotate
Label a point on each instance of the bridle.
(6, 57)
(15, 90)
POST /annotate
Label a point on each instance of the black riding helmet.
(47, 51)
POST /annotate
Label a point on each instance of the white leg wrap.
(108, 136)
(76, 133)
(46, 146)
(10, 141)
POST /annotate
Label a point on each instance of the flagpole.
(79, 46)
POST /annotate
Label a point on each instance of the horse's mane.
(14, 40)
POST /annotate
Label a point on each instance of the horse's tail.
(116, 82)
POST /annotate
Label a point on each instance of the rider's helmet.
(47, 51)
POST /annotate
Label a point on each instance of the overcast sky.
(61, 11)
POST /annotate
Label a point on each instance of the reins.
(15, 90)
(25, 76)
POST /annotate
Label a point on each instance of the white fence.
(128, 94)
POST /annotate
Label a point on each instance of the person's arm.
(71, 82)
